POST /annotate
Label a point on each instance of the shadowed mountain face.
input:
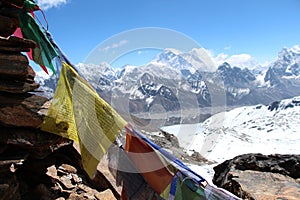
(176, 81)
(285, 71)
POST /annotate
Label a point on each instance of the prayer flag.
(148, 162)
(78, 113)
(44, 53)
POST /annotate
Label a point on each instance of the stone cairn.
(34, 164)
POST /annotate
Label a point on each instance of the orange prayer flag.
(147, 162)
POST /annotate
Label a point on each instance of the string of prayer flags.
(78, 113)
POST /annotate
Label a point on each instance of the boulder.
(31, 74)
(18, 86)
(15, 73)
(14, 2)
(57, 176)
(106, 194)
(21, 110)
(266, 185)
(36, 143)
(9, 16)
(15, 44)
(13, 66)
(257, 176)
(9, 186)
(7, 26)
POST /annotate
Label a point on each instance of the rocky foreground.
(257, 176)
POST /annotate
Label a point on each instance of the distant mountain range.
(176, 81)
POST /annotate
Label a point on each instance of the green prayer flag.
(44, 52)
(187, 190)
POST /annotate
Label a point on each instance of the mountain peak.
(224, 66)
(174, 51)
(187, 75)
(287, 64)
(296, 49)
(172, 58)
(289, 53)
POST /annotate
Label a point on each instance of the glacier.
(266, 129)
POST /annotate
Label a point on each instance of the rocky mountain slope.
(285, 71)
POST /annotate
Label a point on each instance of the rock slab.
(257, 176)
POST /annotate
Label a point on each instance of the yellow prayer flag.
(78, 113)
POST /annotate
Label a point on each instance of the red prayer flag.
(147, 162)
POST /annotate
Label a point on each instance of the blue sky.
(248, 29)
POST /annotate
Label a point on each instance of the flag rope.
(72, 119)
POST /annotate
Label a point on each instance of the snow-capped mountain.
(47, 83)
(249, 129)
(101, 76)
(286, 69)
(261, 129)
(235, 77)
(172, 58)
(196, 59)
(176, 81)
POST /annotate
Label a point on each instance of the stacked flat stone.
(9, 16)
(16, 74)
(20, 111)
(27, 154)
(18, 107)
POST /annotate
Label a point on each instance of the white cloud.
(212, 62)
(206, 58)
(238, 60)
(114, 45)
(47, 4)
(220, 58)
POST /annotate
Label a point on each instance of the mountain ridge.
(178, 81)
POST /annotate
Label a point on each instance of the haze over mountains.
(178, 81)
